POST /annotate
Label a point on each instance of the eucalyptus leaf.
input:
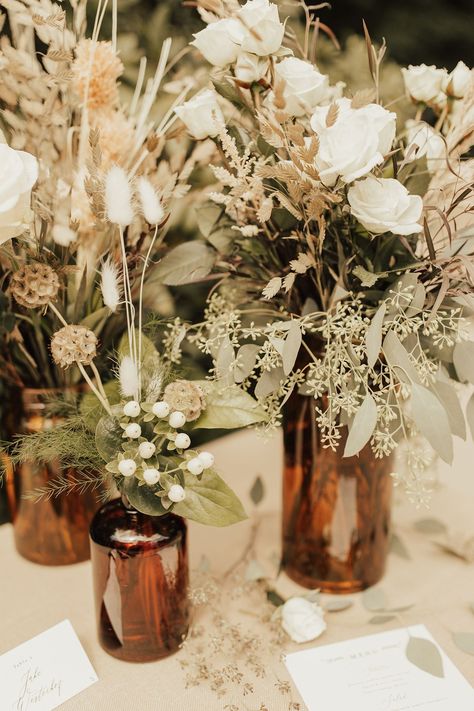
(381, 619)
(269, 382)
(465, 641)
(362, 426)
(108, 438)
(225, 360)
(374, 600)
(292, 347)
(470, 414)
(463, 358)
(245, 361)
(91, 408)
(418, 301)
(398, 547)
(209, 500)
(425, 655)
(207, 217)
(257, 492)
(365, 277)
(228, 407)
(373, 338)
(432, 421)
(338, 605)
(430, 526)
(448, 396)
(397, 357)
(188, 262)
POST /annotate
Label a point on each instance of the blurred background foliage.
(430, 31)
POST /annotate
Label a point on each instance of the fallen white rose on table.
(385, 205)
(18, 174)
(302, 620)
(304, 86)
(201, 115)
(263, 31)
(424, 83)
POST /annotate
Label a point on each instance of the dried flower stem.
(140, 309)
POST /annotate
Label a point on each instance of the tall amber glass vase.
(54, 531)
(140, 571)
(336, 510)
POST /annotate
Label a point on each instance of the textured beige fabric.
(441, 587)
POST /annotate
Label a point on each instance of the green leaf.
(143, 498)
(425, 655)
(186, 263)
(367, 278)
(398, 359)
(430, 526)
(108, 438)
(274, 598)
(292, 347)
(470, 414)
(381, 619)
(245, 361)
(373, 338)
(210, 501)
(374, 599)
(463, 358)
(338, 605)
(257, 492)
(269, 382)
(225, 360)
(465, 641)
(91, 409)
(432, 421)
(207, 217)
(228, 407)
(449, 398)
(398, 547)
(362, 426)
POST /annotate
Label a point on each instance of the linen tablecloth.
(439, 586)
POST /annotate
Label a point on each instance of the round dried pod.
(185, 396)
(34, 285)
(73, 344)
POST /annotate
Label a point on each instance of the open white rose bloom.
(18, 174)
(353, 226)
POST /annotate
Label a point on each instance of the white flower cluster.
(434, 86)
(18, 174)
(142, 455)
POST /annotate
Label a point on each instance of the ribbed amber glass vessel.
(54, 531)
(140, 570)
(336, 510)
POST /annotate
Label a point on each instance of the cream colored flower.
(302, 620)
(423, 140)
(424, 83)
(220, 41)
(116, 136)
(201, 115)
(304, 86)
(96, 68)
(249, 68)
(18, 174)
(263, 30)
(459, 81)
(385, 205)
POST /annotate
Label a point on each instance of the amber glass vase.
(54, 531)
(336, 510)
(140, 570)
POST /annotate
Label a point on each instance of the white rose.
(263, 31)
(220, 41)
(424, 83)
(423, 140)
(458, 82)
(18, 174)
(302, 620)
(250, 68)
(201, 115)
(304, 86)
(385, 205)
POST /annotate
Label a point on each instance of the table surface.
(439, 586)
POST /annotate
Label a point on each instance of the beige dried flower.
(95, 70)
(34, 285)
(73, 344)
(116, 137)
(185, 396)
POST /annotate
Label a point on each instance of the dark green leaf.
(108, 438)
(143, 498)
(210, 501)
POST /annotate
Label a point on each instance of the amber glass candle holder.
(336, 510)
(140, 571)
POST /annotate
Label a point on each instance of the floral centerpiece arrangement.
(345, 244)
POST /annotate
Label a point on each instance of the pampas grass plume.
(118, 197)
(150, 201)
(110, 285)
(128, 376)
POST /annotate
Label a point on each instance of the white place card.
(46, 671)
(373, 674)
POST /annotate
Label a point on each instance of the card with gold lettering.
(401, 670)
(44, 672)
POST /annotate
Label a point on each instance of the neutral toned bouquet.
(344, 238)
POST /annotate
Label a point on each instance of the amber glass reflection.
(53, 532)
(336, 510)
(140, 569)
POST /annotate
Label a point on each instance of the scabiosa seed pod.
(185, 396)
(34, 285)
(73, 344)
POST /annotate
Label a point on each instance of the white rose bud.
(207, 459)
(201, 115)
(459, 81)
(133, 430)
(304, 86)
(177, 419)
(424, 83)
(219, 42)
(127, 467)
(18, 174)
(263, 31)
(176, 493)
(423, 140)
(151, 476)
(385, 205)
(161, 409)
(182, 440)
(146, 450)
(131, 409)
(302, 620)
(195, 466)
(250, 68)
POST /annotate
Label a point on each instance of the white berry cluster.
(155, 452)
